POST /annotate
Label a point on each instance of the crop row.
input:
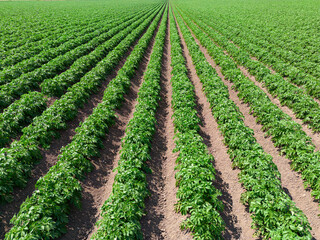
(74, 73)
(58, 37)
(45, 214)
(17, 161)
(28, 65)
(101, 33)
(294, 31)
(197, 197)
(304, 106)
(282, 60)
(60, 83)
(36, 27)
(286, 134)
(266, 55)
(122, 211)
(53, 40)
(20, 114)
(21, 37)
(271, 49)
(30, 81)
(274, 214)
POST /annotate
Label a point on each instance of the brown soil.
(291, 181)
(97, 186)
(50, 156)
(235, 215)
(315, 136)
(161, 221)
(266, 65)
(50, 101)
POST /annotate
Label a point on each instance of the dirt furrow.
(291, 181)
(275, 72)
(235, 215)
(315, 136)
(161, 221)
(97, 186)
(265, 64)
(50, 156)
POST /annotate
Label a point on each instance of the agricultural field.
(156, 119)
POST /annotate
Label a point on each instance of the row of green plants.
(280, 58)
(44, 215)
(81, 37)
(17, 161)
(122, 211)
(273, 212)
(24, 26)
(58, 85)
(273, 51)
(56, 60)
(292, 27)
(100, 52)
(270, 55)
(303, 105)
(20, 114)
(18, 36)
(293, 74)
(197, 196)
(286, 134)
(24, 116)
(56, 38)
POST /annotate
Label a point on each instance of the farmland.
(155, 119)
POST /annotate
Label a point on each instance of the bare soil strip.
(266, 65)
(315, 136)
(274, 72)
(235, 215)
(50, 156)
(97, 186)
(291, 181)
(161, 221)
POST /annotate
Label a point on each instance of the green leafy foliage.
(60, 83)
(122, 211)
(20, 114)
(197, 197)
(64, 56)
(44, 215)
(286, 134)
(17, 161)
(274, 214)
